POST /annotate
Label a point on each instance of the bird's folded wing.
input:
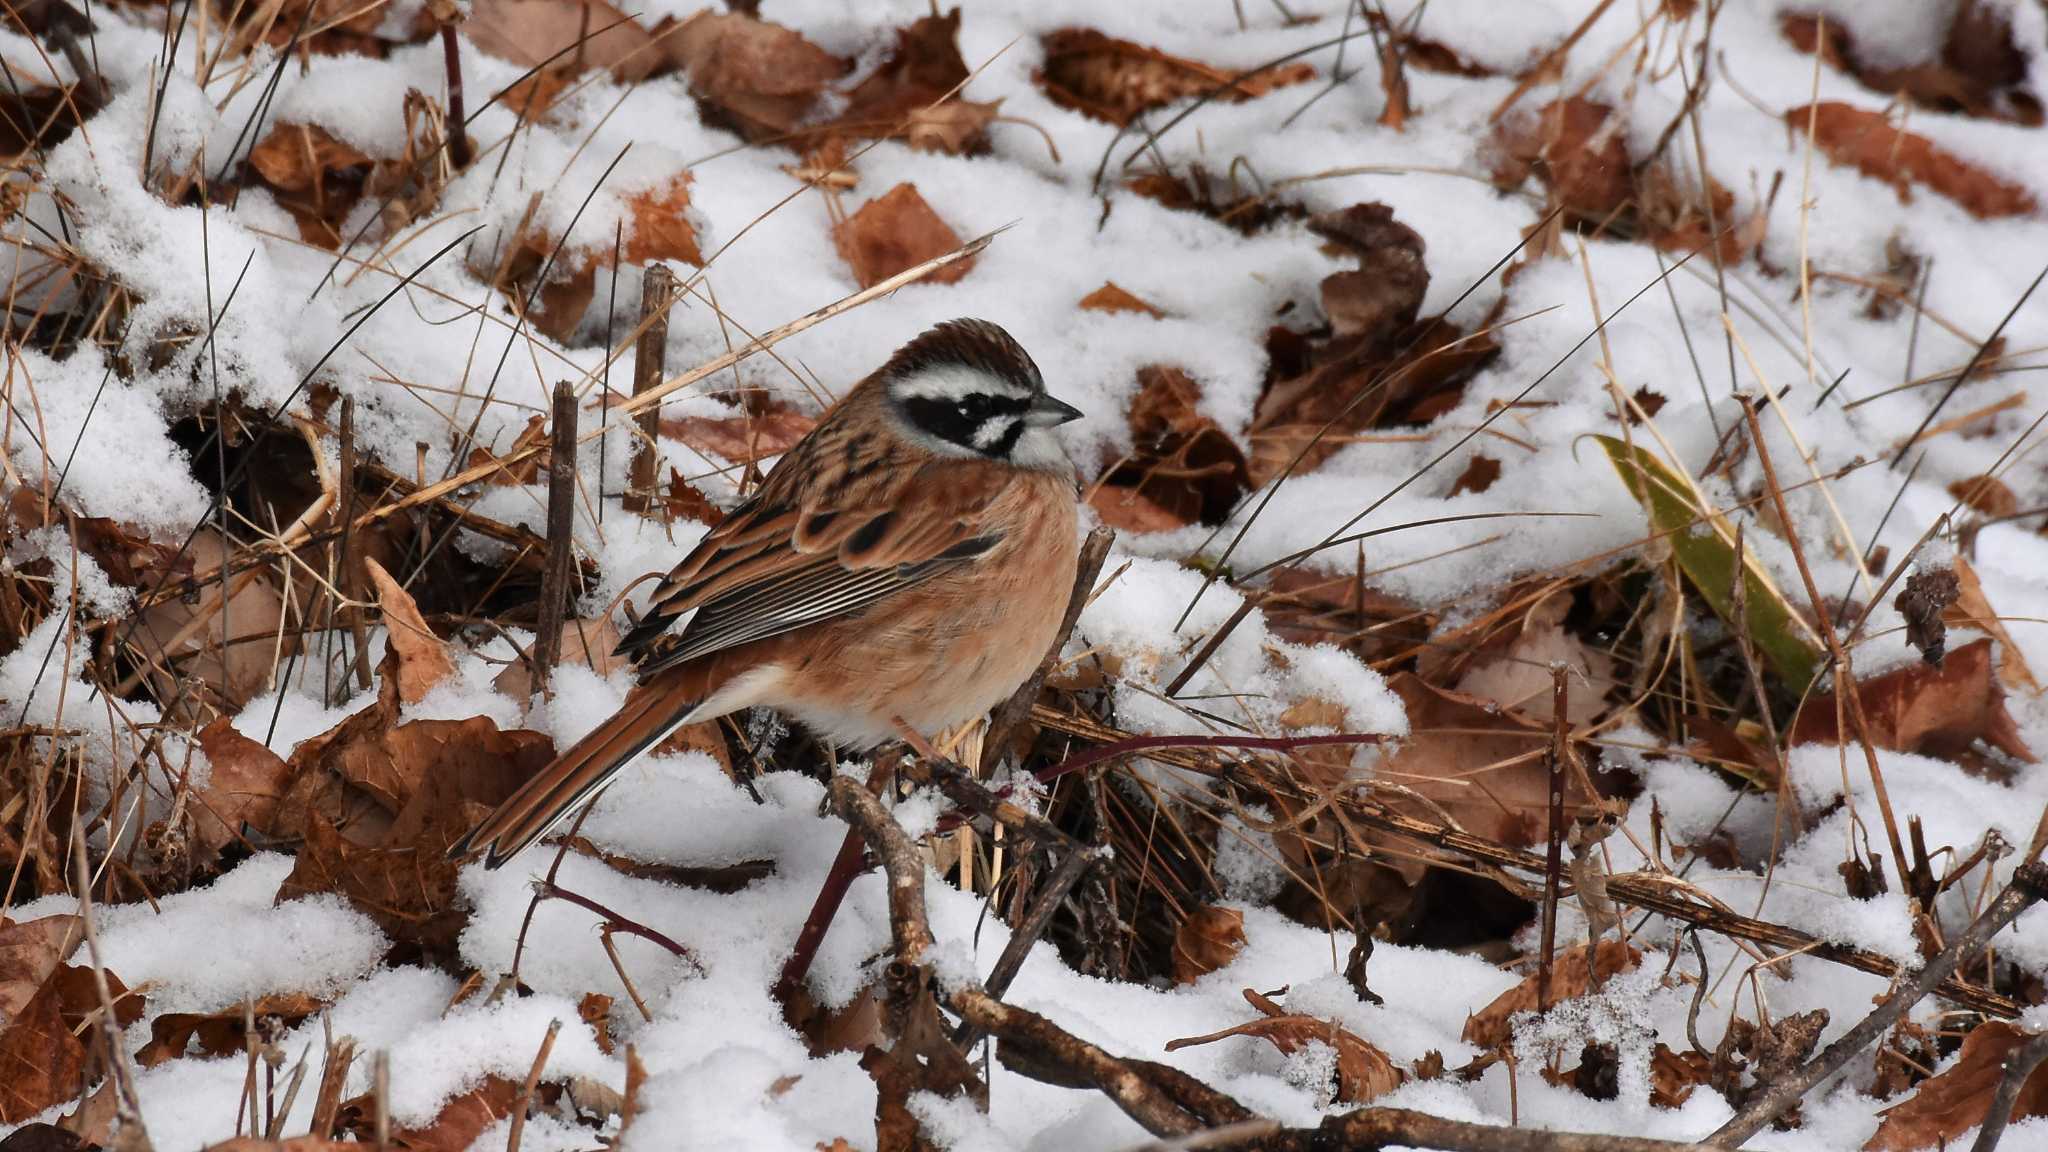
(790, 558)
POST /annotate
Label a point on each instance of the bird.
(905, 565)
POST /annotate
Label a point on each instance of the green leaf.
(1703, 543)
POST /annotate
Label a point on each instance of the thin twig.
(2029, 884)
(2019, 1066)
(519, 1107)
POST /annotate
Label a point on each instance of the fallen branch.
(2029, 884)
(2018, 1068)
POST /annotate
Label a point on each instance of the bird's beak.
(1046, 412)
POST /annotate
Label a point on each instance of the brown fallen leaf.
(1493, 1025)
(246, 783)
(895, 232)
(531, 437)
(1673, 1075)
(184, 640)
(1980, 70)
(41, 1062)
(1381, 296)
(1363, 1072)
(1972, 610)
(1112, 297)
(898, 98)
(742, 439)
(1115, 80)
(1933, 711)
(301, 157)
(1209, 938)
(1868, 141)
(657, 229)
(30, 950)
(531, 33)
(1181, 459)
(1130, 511)
(1955, 1100)
(757, 78)
(423, 659)
(1482, 764)
(1479, 474)
(1579, 149)
(588, 643)
(460, 1121)
(1987, 495)
(174, 1034)
(1518, 675)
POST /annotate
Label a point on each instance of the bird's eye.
(975, 407)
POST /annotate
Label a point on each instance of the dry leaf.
(1519, 677)
(1972, 610)
(660, 228)
(1673, 1075)
(188, 637)
(172, 1034)
(1209, 938)
(1115, 80)
(742, 439)
(41, 1062)
(900, 98)
(30, 951)
(1364, 1073)
(1479, 474)
(759, 79)
(297, 157)
(1181, 460)
(1955, 1100)
(1380, 298)
(1986, 495)
(1483, 765)
(588, 643)
(1579, 148)
(1868, 141)
(455, 1128)
(246, 782)
(896, 232)
(530, 33)
(1493, 1025)
(423, 660)
(1933, 711)
(1112, 297)
(1979, 72)
(1130, 511)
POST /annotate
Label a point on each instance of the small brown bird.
(906, 564)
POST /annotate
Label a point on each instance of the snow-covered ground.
(726, 1071)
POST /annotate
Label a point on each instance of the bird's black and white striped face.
(966, 388)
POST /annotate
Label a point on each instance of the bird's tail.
(651, 711)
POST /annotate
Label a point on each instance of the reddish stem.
(451, 59)
(847, 866)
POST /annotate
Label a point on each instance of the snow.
(727, 1070)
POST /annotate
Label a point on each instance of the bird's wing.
(843, 521)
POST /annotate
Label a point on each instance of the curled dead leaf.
(1570, 977)
(1971, 610)
(1363, 1071)
(1181, 460)
(901, 97)
(1209, 938)
(423, 659)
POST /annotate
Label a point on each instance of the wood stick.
(2019, 1067)
(2029, 884)
(650, 359)
(345, 512)
(554, 580)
